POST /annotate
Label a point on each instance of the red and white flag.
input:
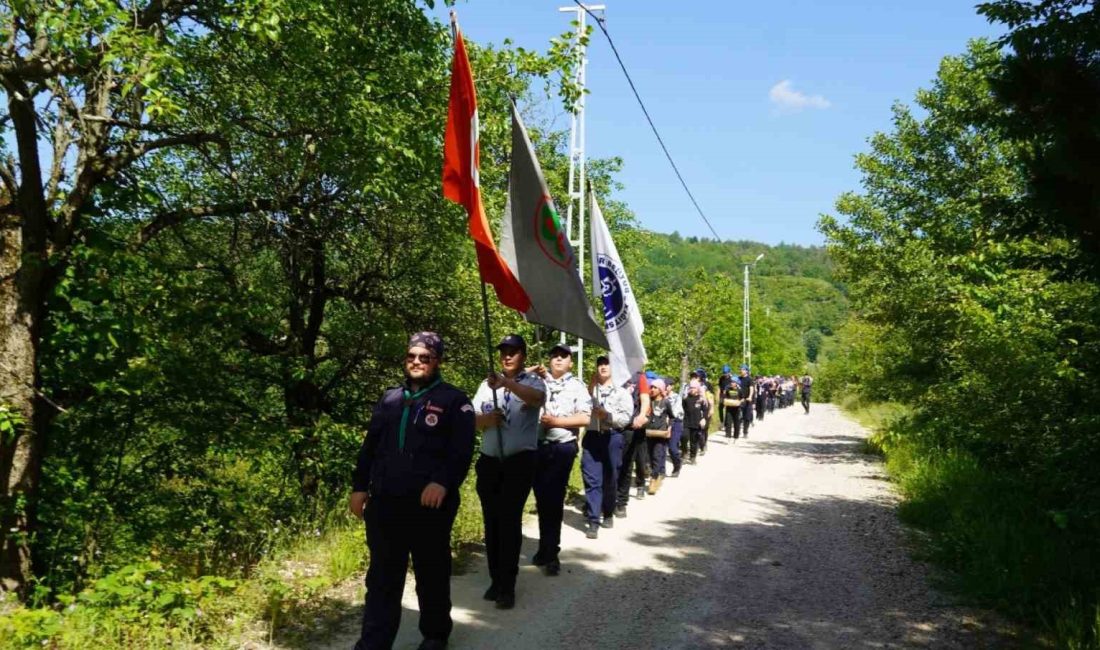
(461, 160)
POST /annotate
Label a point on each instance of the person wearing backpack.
(807, 383)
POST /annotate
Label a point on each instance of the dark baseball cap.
(513, 341)
(603, 360)
(560, 349)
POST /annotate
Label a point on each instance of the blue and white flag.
(622, 319)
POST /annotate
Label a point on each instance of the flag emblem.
(551, 235)
(616, 310)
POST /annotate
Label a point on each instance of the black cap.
(513, 341)
(560, 349)
(603, 360)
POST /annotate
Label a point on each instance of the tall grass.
(1000, 546)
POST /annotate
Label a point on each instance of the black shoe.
(432, 644)
(506, 601)
(492, 593)
(675, 473)
(691, 460)
(640, 492)
(553, 567)
(702, 452)
(620, 511)
(538, 559)
(608, 522)
(728, 435)
(592, 530)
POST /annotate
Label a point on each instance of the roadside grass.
(1000, 546)
(298, 594)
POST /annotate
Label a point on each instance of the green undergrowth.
(299, 593)
(1000, 545)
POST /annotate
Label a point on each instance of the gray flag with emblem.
(534, 243)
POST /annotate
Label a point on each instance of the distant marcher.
(747, 394)
(676, 411)
(658, 432)
(416, 454)
(568, 407)
(505, 475)
(601, 461)
(695, 418)
(807, 383)
(730, 400)
(635, 467)
(723, 383)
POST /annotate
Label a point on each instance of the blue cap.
(650, 375)
(745, 367)
(513, 341)
(726, 368)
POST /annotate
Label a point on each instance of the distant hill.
(795, 282)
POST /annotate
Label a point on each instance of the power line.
(660, 140)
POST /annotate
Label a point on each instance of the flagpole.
(484, 301)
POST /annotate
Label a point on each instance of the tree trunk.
(21, 449)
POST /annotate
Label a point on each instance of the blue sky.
(762, 104)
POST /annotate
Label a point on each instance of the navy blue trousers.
(552, 467)
(398, 527)
(601, 462)
(674, 451)
(658, 450)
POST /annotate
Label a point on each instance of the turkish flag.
(461, 160)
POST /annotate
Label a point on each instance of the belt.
(556, 442)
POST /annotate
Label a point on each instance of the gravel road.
(786, 540)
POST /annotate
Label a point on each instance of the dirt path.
(786, 540)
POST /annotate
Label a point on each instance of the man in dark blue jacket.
(417, 452)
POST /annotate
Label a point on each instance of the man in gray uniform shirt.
(507, 407)
(567, 408)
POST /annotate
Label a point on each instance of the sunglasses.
(422, 358)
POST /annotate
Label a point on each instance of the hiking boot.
(620, 511)
(592, 530)
(432, 644)
(539, 559)
(654, 484)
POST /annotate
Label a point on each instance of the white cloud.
(787, 99)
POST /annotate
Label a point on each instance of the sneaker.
(506, 601)
(553, 567)
(640, 492)
(608, 522)
(620, 511)
(592, 530)
(492, 593)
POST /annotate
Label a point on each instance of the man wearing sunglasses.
(507, 406)
(417, 452)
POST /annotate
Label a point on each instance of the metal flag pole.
(577, 163)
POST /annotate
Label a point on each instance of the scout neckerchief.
(411, 397)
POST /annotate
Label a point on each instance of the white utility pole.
(576, 187)
(746, 331)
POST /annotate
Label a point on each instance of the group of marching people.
(534, 422)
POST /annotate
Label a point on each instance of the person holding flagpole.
(507, 406)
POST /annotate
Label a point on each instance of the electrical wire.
(603, 28)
